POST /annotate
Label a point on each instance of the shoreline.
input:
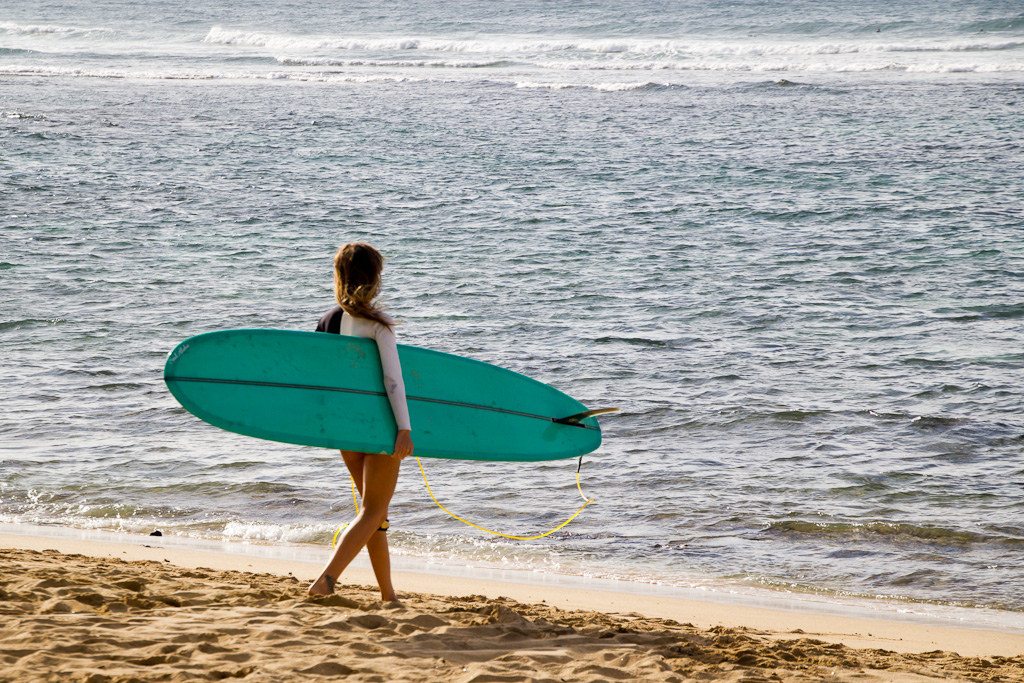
(864, 624)
(706, 588)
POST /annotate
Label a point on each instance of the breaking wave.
(12, 29)
(622, 47)
(406, 63)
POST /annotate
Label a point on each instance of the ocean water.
(784, 237)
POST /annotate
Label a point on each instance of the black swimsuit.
(331, 321)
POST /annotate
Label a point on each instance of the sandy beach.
(88, 610)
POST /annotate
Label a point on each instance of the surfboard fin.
(579, 417)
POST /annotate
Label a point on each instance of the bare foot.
(322, 586)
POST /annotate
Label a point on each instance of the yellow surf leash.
(586, 502)
(355, 504)
(430, 492)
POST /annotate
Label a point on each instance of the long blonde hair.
(357, 269)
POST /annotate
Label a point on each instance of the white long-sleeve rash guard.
(387, 346)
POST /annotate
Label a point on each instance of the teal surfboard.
(318, 389)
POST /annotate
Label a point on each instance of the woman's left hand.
(403, 444)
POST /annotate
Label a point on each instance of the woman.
(357, 270)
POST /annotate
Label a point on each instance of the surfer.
(357, 274)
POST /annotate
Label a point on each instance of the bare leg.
(377, 546)
(380, 474)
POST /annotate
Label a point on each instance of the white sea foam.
(602, 87)
(72, 72)
(396, 76)
(286, 533)
(21, 115)
(549, 53)
(794, 65)
(546, 86)
(524, 58)
(395, 63)
(722, 48)
(622, 47)
(13, 29)
(495, 44)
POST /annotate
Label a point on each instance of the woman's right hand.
(403, 444)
